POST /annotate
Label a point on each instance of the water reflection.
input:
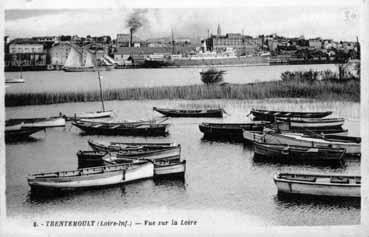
(293, 200)
(171, 182)
(266, 161)
(45, 196)
(211, 139)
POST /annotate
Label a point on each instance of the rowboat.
(20, 134)
(124, 146)
(350, 144)
(90, 156)
(230, 130)
(314, 123)
(318, 185)
(126, 122)
(298, 153)
(311, 130)
(214, 113)
(39, 122)
(13, 125)
(90, 115)
(122, 128)
(169, 168)
(91, 177)
(14, 80)
(128, 155)
(270, 115)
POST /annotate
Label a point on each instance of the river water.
(68, 81)
(221, 177)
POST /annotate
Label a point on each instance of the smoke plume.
(137, 19)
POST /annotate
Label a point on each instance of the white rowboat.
(318, 185)
(91, 177)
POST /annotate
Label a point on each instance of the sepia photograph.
(196, 118)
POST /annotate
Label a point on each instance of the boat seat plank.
(340, 180)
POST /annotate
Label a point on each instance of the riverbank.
(326, 90)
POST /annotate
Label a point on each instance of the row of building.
(51, 52)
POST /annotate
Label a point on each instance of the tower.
(219, 31)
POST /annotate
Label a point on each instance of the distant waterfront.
(60, 81)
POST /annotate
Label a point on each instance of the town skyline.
(338, 23)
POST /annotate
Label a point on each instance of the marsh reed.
(348, 90)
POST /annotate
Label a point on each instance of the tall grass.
(321, 89)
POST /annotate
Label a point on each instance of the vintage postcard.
(188, 118)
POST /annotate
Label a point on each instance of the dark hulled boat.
(20, 134)
(294, 153)
(230, 130)
(313, 123)
(210, 113)
(270, 115)
(128, 146)
(122, 128)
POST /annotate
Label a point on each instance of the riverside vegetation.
(309, 84)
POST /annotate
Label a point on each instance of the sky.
(335, 21)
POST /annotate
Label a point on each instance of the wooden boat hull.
(10, 126)
(151, 154)
(148, 130)
(122, 146)
(230, 130)
(313, 123)
(270, 115)
(174, 169)
(215, 113)
(14, 80)
(298, 153)
(95, 179)
(23, 133)
(351, 148)
(287, 186)
(325, 131)
(40, 122)
(90, 115)
(91, 156)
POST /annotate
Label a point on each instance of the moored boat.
(91, 177)
(230, 130)
(93, 115)
(314, 123)
(20, 134)
(213, 113)
(90, 156)
(318, 185)
(14, 80)
(39, 122)
(13, 125)
(169, 168)
(124, 146)
(270, 115)
(90, 115)
(298, 153)
(350, 144)
(122, 128)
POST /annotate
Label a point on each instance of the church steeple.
(219, 31)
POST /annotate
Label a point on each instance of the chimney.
(131, 37)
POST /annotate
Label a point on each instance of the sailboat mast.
(101, 94)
